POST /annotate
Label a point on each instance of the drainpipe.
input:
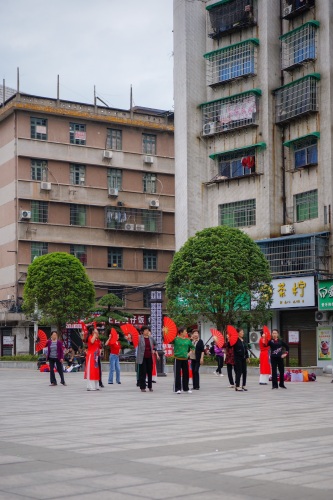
(284, 200)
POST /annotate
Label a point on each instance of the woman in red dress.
(92, 373)
(265, 366)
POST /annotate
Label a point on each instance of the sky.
(109, 44)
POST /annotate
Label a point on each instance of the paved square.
(121, 444)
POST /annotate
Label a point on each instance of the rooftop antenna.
(131, 102)
(3, 91)
(18, 82)
(58, 88)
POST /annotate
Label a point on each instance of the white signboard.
(293, 292)
(7, 340)
(293, 337)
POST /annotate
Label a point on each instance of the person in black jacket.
(241, 356)
(277, 355)
(197, 357)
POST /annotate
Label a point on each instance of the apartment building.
(253, 143)
(92, 181)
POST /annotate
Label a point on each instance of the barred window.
(306, 205)
(133, 219)
(77, 174)
(149, 144)
(80, 252)
(78, 215)
(306, 152)
(237, 164)
(38, 249)
(149, 183)
(149, 260)
(39, 211)
(77, 133)
(38, 128)
(115, 176)
(297, 98)
(114, 139)
(299, 46)
(228, 16)
(238, 213)
(115, 258)
(38, 170)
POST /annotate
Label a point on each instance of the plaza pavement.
(121, 444)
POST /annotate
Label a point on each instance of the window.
(115, 258)
(114, 139)
(38, 249)
(77, 174)
(306, 205)
(297, 98)
(238, 213)
(146, 298)
(77, 133)
(149, 183)
(300, 45)
(306, 152)
(115, 176)
(38, 170)
(39, 211)
(80, 252)
(78, 215)
(229, 16)
(118, 291)
(149, 260)
(149, 144)
(133, 219)
(237, 164)
(292, 8)
(38, 128)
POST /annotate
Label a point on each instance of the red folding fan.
(218, 337)
(131, 333)
(41, 340)
(169, 330)
(233, 335)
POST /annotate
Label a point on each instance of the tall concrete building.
(92, 181)
(253, 142)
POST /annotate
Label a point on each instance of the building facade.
(253, 141)
(92, 181)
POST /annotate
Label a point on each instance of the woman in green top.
(182, 346)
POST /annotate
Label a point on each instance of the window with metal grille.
(115, 258)
(299, 46)
(238, 60)
(227, 16)
(238, 163)
(293, 8)
(38, 249)
(306, 205)
(114, 139)
(77, 133)
(297, 98)
(238, 213)
(38, 128)
(149, 183)
(80, 252)
(78, 215)
(230, 113)
(149, 260)
(77, 174)
(38, 170)
(306, 152)
(115, 176)
(149, 144)
(133, 219)
(39, 211)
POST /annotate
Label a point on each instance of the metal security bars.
(290, 255)
(38, 249)
(133, 219)
(299, 46)
(306, 205)
(238, 213)
(228, 16)
(297, 98)
(240, 162)
(303, 152)
(39, 211)
(223, 115)
(293, 8)
(236, 61)
(39, 170)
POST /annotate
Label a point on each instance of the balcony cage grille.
(297, 254)
(224, 115)
(299, 46)
(133, 219)
(231, 63)
(293, 8)
(227, 16)
(297, 99)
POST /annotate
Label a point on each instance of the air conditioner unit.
(25, 214)
(129, 227)
(46, 186)
(322, 316)
(148, 159)
(139, 227)
(287, 229)
(208, 128)
(254, 337)
(113, 192)
(154, 203)
(287, 10)
(107, 154)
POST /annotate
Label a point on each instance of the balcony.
(228, 16)
(293, 8)
(133, 220)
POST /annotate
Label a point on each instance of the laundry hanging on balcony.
(248, 161)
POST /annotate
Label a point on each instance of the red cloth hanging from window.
(248, 161)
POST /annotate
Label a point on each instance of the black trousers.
(195, 366)
(220, 360)
(230, 375)
(56, 362)
(146, 369)
(241, 371)
(100, 370)
(277, 364)
(181, 374)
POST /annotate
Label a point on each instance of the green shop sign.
(325, 295)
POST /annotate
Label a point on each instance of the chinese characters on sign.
(156, 316)
(293, 337)
(325, 295)
(324, 343)
(293, 292)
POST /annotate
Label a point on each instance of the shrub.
(20, 357)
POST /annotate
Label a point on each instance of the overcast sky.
(111, 44)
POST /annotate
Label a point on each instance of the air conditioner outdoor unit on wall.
(113, 192)
(139, 227)
(148, 159)
(25, 214)
(287, 229)
(254, 337)
(208, 128)
(129, 227)
(154, 203)
(287, 10)
(107, 154)
(46, 186)
(322, 316)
